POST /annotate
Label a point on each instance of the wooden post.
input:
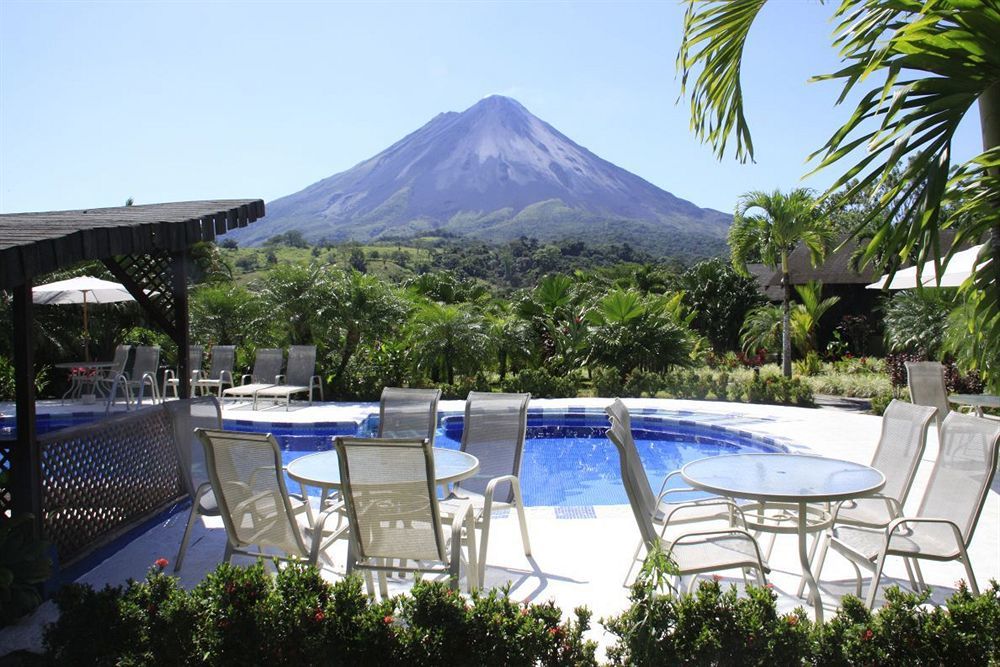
(25, 464)
(179, 265)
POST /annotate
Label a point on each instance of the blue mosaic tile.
(576, 512)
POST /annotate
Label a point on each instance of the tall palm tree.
(925, 63)
(767, 226)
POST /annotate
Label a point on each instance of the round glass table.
(322, 469)
(786, 478)
(977, 401)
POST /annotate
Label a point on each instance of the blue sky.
(166, 101)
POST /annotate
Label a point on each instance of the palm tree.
(806, 316)
(767, 226)
(449, 338)
(926, 63)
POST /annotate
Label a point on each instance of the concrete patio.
(580, 555)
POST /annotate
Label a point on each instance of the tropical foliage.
(923, 65)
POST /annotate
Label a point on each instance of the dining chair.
(695, 552)
(408, 413)
(942, 527)
(145, 366)
(220, 372)
(196, 354)
(897, 456)
(389, 491)
(248, 482)
(925, 380)
(493, 431)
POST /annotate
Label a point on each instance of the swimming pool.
(567, 462)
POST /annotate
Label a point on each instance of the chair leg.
(192, 516)
(474, 574)
(635, 559)
(964, 557)
(519, 506)
(484, 540)
(876, 577)
(227, 556)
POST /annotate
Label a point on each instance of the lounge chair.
(897, 456)
(943, 525)
(408, 413)
(394, 513)
(134, 382)
(694, 553)
(266, 372)
(925, 380)
(301, 378)
(493, 431)
(220, 373)
(196, 354)
(248, 482)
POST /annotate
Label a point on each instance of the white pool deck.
(580, 558)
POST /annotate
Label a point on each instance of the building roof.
(835, 269)
(33, 244)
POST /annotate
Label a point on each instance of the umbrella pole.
(86, 332)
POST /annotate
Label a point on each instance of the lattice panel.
(152, 271)
(5, 481)
(100, 478)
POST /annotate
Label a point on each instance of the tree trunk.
(786, 318)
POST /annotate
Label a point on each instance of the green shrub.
(809, 365)
(607, 382)
(543, 384)
(245, 616)
(24, 567)
(462, 386)
(775, 390)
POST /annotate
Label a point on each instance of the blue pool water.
(567, 462)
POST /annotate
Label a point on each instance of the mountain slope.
(494, 172)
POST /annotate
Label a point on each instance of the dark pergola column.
(25, 465)
(179, 265)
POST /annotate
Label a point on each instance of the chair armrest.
(246, 379)
(491, 489)
(279, 378)
(719, 533)
(168, 375)
(894, 507)
(733, 507)
(317, 542)
(663, 485)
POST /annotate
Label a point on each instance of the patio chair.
(104, 380)
(897, 456)
(196, 354)
(220, 373)
(943, 525)
(301, 378)
(493, 431)
(248, 482)
(394, 513)
(925, 380)
(266, 371)
(695, 552)
(133, 382)
(202, 412)
(408, 413)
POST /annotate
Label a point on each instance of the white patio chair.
(248, 482)
(134, 382)
(196, 355)
(394, 513)
(301, 378)
(202, 412)
(220, 373)
(266, 372)
(696, 552)
(105, 380)
(897, 456)
(408, 413)
(943, 525)
(925, 380)
(493, 431)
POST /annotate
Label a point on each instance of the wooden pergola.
(145, 247)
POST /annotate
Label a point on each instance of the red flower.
(161, 563)
(716, 577)
(793, 621)
(555, 632)
(318, 616)
(769, 586)
(388, 620)
(867, 635)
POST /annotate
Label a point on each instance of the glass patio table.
(977, 401)
(322, 469)
(797, 479)
(95, 371)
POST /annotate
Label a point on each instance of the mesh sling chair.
(694, 552)
(393, 511)
(220, 373)
(266, 372)
(301, 378)
(408, 413)
(144, 368)
(105, 381)
(186, 416)
(196, 355)
(493, 431)
(943, 525)
(901, 445)
(925, 379)
(249, 485)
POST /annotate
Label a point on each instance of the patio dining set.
(402, 505)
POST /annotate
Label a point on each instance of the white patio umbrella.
(83, 290)
(960, 267)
